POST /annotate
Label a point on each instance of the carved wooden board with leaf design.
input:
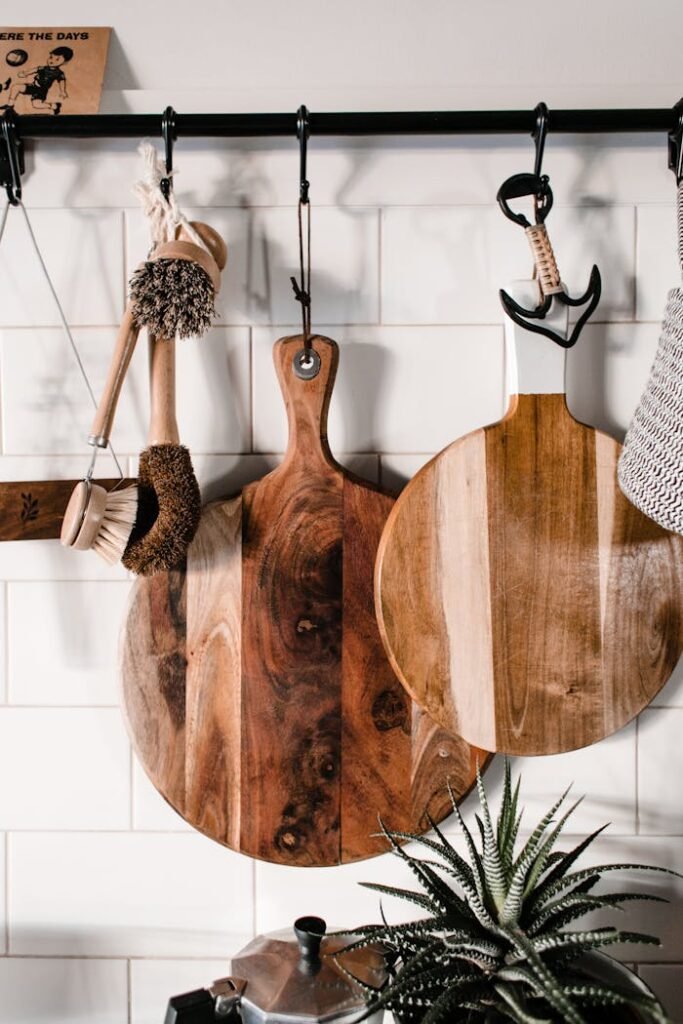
(34, 509)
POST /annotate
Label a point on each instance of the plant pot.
(594, 966)
(600, 967)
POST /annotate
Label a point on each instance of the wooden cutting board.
(523, 601)
(257, 692)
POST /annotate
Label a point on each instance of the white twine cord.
(164, 215)
(62, 317)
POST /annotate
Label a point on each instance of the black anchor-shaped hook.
(545, 266)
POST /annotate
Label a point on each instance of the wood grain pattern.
(580, 621)
(156, 650)
(212, 742)
(296, 733)
(34, 509)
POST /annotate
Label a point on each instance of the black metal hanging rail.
(440, 122)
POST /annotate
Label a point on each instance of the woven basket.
(650, 469)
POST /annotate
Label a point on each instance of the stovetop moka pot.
(289, 978)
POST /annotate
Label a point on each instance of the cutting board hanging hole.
(306, 364)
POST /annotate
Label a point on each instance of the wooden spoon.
(522, 600)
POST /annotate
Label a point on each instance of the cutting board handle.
(306, 401)
(534, 364)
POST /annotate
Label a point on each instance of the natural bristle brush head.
(173, 293)
(172, 298)
(100, 519)
(169, 510)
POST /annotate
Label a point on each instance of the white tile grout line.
(342, 324)
(116, 957)
(124, 261)
(251, 390)
(174, 958)
(5, 653)
(380, 267)
(637, 780)
(253, 898)
(636, 230)
(63, 707)
(188, 831)
(129, 986)
(131, 785)
(6, 890)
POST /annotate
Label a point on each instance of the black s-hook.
(535, 184)
(169, 135)
(303, 130)
(539, 136)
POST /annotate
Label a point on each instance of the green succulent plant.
(495, 943)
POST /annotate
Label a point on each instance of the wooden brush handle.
(163, 427)
(120, 361)
(191, 253)
(211, 239)
(306, 401)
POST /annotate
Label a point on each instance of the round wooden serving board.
(258, 695)
(523, 601)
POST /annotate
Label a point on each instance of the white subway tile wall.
(112, 903)
(60, 990)
(127, 894)
(74, 662)
(152, 982)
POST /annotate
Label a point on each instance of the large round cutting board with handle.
(256, 688)
(523, 601)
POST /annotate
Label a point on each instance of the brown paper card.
(52, 70)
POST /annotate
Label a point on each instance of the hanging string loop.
(302, 287)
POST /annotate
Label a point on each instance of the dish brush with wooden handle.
(101, 520)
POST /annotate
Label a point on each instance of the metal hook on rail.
(545, 265)
(303, 130)
(534, 184)
(169, 135)
(11, 158)
(675, 139)
(539, 135)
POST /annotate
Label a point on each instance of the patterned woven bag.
(650, 467)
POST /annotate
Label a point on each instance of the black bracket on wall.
(11, 159)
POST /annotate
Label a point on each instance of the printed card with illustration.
(52, 70)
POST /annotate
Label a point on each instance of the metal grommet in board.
(306, 364)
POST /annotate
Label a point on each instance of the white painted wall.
(109, 903)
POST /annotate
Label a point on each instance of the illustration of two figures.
(46, 85)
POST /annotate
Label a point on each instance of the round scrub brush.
(169, 502)
(96, 518)
(172, 293)
(104, 520)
